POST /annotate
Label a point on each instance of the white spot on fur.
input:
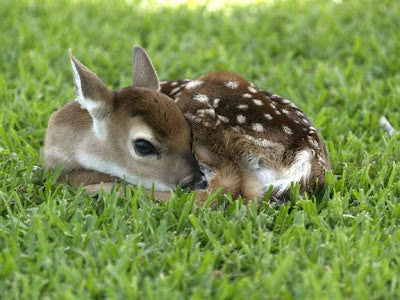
(216, 102)
(285, 111)
(247, 95)
(201, 97)
(272, 105)
(287, 130)
(173, 83)
(252, 89)
(193, 84)
(261, 142)
(236, 128)
(192, 117)
(277, 112)
(175, 90)
(257, 102)
(299, 113)
(207, 111)
(243, 106)
(232, 84)
(257, 127)
(286, 101)
(305, 121)
(223, 119)
(241, 119)
(268, 117)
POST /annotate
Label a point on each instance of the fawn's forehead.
(154, 110)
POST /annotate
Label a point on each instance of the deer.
(244, 139)
(135, 135)
(248, 140)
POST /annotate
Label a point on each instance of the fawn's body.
(247, 139)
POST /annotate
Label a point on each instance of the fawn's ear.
(91, 92)
(144, 74)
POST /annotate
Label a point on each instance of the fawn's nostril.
(202, 184)
(198, 184)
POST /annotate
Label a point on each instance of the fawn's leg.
(227, 177)
(250, 188)
(94, 181)
(86, 177)
(93, 189)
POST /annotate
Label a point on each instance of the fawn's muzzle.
(198, 181)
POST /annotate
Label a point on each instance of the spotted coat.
(237, 123)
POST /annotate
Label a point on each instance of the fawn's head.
(142, 134)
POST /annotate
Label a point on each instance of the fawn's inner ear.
(92, 94)
(144, 74)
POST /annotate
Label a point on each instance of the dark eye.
(144, 148)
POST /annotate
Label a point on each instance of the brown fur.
(92, 138)
(223, 142)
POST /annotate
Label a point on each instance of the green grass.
(339, 61)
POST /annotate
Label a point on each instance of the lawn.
(337, 60)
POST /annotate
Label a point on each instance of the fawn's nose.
(198, 181)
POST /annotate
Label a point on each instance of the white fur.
(268, 116)
(206, 111)
(233, 84)
(201, 97)
(96, 163)
(257, 127)
(241, 119)
(78, 85)
(287, 130)
(193, 84)
(299, 170)
(99, 126)
(100, 129)
(252, 89)
(257, 102)
(215, 103)
(247, 95)
(223, 119)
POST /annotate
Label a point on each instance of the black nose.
(198, 181)
(202, 184)
(199, 184)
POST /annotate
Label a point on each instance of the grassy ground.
(339, 61)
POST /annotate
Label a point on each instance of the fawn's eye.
(144, 148)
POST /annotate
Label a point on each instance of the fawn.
(247, 139)
(136, 134)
